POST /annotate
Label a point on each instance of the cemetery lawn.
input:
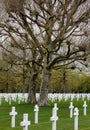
(64, 122)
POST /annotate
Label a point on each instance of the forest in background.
(62, 81)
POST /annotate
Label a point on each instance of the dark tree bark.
(46, 75)
(32, 89)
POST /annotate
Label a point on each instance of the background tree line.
(11, 80)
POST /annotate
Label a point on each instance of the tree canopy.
(46, 35)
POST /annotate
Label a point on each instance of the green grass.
(64, 122)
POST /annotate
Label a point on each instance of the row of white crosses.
(54, 117)
(71, 107)
(76, 113)
(10, 98)
(57, 96)
(25, 123)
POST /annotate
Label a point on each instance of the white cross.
(10, 100)
(85, 106)
(71, 109)
(25, 123)
(59, 98)
(13, 113)
(52, 98)
(83, 96)
(76, 113)
(19, 100)
(36, 109)
(54, 117)
(55, 108)
(72, 97)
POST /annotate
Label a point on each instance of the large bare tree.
(14, 29)
(57, 30)
(60, 27)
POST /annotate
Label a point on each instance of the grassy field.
(64, 122)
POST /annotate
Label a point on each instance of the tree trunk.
(32, 89)
(7, 87)
(64, 81)
(43, 101)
